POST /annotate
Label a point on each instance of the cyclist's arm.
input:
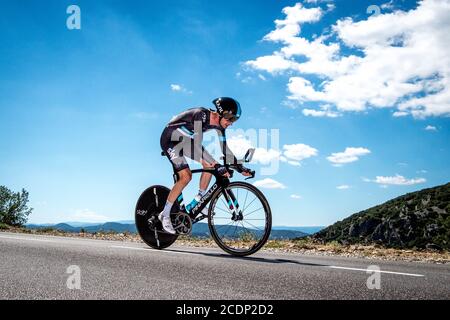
(200, 153)
(229, 156)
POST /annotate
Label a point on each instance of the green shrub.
(4, 226)
(13, 207)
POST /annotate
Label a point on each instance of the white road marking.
(145, 249)
(26, 239)
(380, 271)
(331, 267)
(175, 252)
(62, 239)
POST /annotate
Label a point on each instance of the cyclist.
(183, 136)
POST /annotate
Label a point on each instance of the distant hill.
(199, 229)
(307, 230)
(90, 228)
(83, 224)
(418, 219)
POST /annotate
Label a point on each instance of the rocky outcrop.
(416, 220)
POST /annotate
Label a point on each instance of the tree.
(13, 207)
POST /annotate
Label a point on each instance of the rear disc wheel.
(150, 204)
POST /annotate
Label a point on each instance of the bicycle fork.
(233, 205)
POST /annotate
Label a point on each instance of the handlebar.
(231, 167)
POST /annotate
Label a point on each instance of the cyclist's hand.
(244, 171)
(222, 170)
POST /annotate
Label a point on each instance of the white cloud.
(343, 187)
(323, 112)
(292, 154)
(144, 115)
(400, 114)
(389, 71)
(179, 88)
(298, 152)
(268, 183)
(317, 1)
(348, 156)
(388, 6)
(295, 16)
(290, 104)
(431, 128)
(86, 215)
(296, 196)
(247, 80)
(239, 145)
(398, 180)
(303, 90)
(266, 156)
(272, 64)
(331, 7)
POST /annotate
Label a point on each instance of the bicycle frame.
(221, 182)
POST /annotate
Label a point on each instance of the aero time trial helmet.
(228, 108)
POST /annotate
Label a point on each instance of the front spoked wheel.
(240, 219)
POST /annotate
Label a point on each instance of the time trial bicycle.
(239, 216)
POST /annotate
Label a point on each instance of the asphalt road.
(45, 267)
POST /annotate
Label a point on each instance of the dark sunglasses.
(230, 117)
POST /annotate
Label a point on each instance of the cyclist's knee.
(185, 176)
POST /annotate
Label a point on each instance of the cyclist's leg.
(181, 168)
(196, 153)
(184, 177)
(205, 178)
(174, 152)
(173, 146)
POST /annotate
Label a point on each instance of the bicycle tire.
(267, 227)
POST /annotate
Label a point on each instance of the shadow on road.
(256, 259)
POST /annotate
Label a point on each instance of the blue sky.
(82, 110)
